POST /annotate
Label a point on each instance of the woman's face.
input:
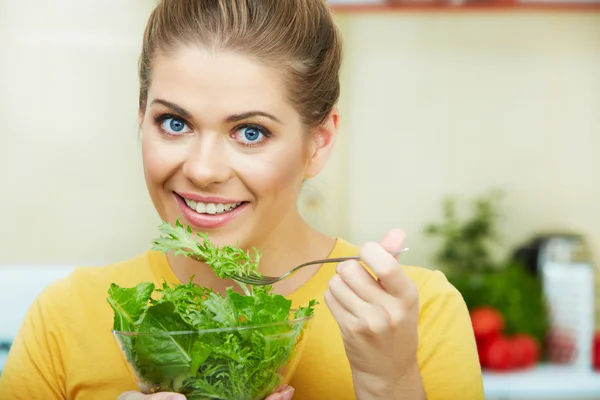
(223, 150)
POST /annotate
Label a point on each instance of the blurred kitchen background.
(440, 102)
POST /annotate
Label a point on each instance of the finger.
(347, 298)
(362, 282)
(133, 395)
(377, 320)
(280, 389)
(340, 314)
(165, 396)
(286, 394)
(386, 268)
(393, 240)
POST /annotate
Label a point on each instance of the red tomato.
(525, 350)
(596, 351)
(482, 351)
(487, 322)
(499, 355)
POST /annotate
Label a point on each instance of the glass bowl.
(241, 363)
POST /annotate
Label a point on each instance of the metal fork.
(257, 280)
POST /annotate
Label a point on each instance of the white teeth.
(190, 203)
(211, 208)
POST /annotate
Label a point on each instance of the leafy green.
(189, 339)
(512, 290)
(128, 304)
(225, 260)
(467, 255)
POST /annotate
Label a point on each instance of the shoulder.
(438, 298)
(429, 282)
(93, 281)
(77, 304)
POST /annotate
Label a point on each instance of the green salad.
(163, 331)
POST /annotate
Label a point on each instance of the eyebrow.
(250, 114)
(174, 107)
(232, 118)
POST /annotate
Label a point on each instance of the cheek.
(157, 160)
(279, 173)
(150, 161)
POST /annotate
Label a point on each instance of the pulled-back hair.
(296, 37)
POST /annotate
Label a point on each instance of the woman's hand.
(378, 321)
(283, 393)
(133, 395)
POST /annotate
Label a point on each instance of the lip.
(207, 199)
(208, 221)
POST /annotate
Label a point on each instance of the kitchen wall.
(72, 184)
(433, 104)
(442, 104)
(439, 104)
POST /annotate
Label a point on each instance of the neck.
(291, 243)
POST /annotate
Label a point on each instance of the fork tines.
(254, 279)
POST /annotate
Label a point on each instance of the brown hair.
(297, 37)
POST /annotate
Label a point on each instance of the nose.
(207, 161)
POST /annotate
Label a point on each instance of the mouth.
(211, 208)
(209, 212)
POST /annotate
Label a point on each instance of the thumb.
(393, 240)
(285, 394)
(132, 395)
(165, 396)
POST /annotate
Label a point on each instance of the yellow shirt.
(65, 349)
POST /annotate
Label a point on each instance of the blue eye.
(173, 126)
(251, 135)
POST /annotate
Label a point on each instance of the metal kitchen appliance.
(563, 261)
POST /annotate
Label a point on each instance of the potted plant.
(505, 299)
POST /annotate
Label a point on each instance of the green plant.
(465, 256)
(466, 245)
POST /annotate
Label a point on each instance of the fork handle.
(269, 280)
(340, 259)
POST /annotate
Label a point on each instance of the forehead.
(229, 82)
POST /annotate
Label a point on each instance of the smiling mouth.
(211, 208)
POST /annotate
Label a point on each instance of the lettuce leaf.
(129, 304)
(171, 350)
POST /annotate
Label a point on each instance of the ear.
(322, 143)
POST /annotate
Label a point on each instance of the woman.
(237, 109)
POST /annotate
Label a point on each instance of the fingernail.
(176, 397)
(338, 269)
(288, 394)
